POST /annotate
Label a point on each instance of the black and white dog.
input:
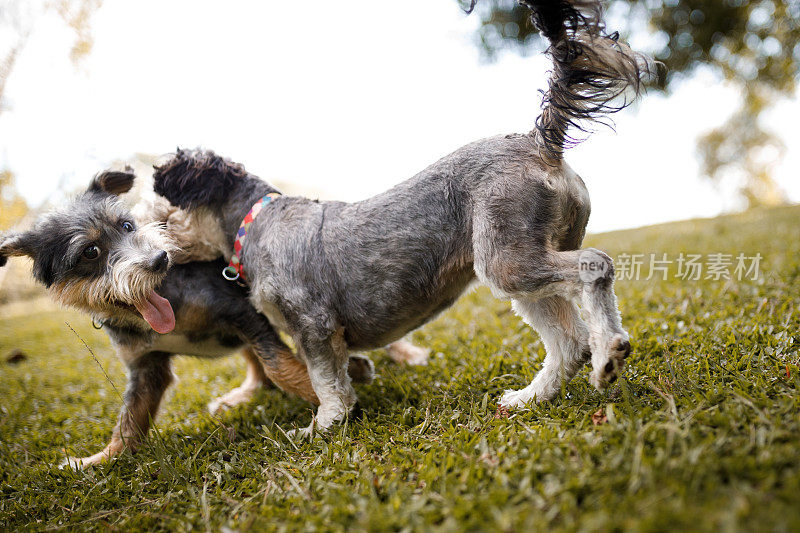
(507, 211)
(94, 255)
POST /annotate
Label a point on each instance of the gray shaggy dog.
(507, 211)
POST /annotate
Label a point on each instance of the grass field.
(701, 433)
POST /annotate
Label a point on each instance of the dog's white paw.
(82, 463)
(214, 406)
(610, 367)
(512, 399)
(301, 434)
(233, 398)
(75, 463)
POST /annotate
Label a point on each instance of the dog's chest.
(211, 346)
(130, 351)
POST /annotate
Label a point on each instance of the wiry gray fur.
(340, 277)
(506, 210)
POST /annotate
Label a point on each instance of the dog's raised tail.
(593, 73)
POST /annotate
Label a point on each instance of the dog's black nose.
(159, 262)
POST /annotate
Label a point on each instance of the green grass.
(702, 431)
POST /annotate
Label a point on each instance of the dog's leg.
(148, 378)
(291, 375)
(327, 362)
(269, 359)
(566, 341)
(608, 340)
(284, 369)
(254, 380)
(403, 351)
(587, 274)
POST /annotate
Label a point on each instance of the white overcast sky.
(347, 98)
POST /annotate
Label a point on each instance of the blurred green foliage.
(753, 44)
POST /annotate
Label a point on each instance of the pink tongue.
(158, 313)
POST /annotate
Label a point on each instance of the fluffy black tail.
(593, 73)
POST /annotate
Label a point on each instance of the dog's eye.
(128, 226)
(91, 252)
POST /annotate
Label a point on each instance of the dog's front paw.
(82, 463)
(75, 463)
(607, 372)
(512, 399)
(214, 406)
(302, 434)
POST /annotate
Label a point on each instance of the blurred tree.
(77, 15)
(18, 19)
(12, 206)
(753, 44)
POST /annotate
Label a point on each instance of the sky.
(344, 99)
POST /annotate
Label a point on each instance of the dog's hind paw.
(540, 390)
(361, 369)
(607, 372)
(214, 406)
(405, 352)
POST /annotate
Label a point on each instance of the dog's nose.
(159, 262)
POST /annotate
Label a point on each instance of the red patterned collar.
(234, 270)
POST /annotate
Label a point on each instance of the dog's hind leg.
(566, 340)
(539, 273)
(253, 381)
(608, 340)
(360, 369)
(148, 379)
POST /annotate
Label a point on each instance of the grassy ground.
(702, 432)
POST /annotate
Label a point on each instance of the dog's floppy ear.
(14, 244)
(113, 182)
(193, 178)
